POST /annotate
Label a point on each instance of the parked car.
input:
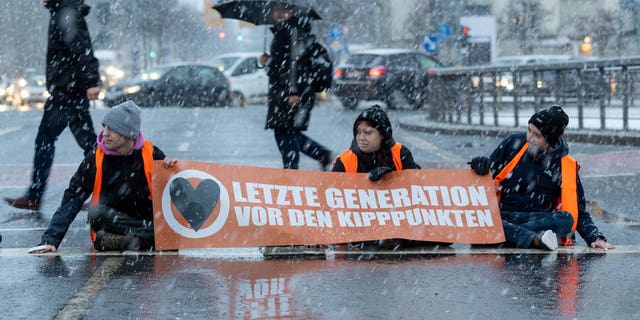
(34, 93)
(173, 85)
(249, 83)
(398, 77)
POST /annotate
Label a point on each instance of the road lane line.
(22, 229)
(183, 147)
(84, 297)
(8, 130)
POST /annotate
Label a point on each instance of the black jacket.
(71, 65)
(124, 188)
(534, 185)
(282, 84)
(367, 162)
(377, 117)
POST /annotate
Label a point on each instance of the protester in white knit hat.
(117, 176)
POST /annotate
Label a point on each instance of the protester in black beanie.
(542, 201)
(551, 122)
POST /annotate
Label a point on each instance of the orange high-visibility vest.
(568, 200)
(147, 163)
(350, 159)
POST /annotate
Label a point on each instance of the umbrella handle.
(264, 49)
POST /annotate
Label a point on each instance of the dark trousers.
(521, 227)
(110, 220)
(60, 111)
(291, 142)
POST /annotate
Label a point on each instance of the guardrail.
(604, 87)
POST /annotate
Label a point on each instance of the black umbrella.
(260, 12)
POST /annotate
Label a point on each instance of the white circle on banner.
(176, 226)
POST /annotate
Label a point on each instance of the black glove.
(377, 173)
(480, 165)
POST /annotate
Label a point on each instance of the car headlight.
(131, 89)
(24, 93)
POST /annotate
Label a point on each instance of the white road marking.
(235, 253)
(22, 229)
(9, 130)
(183, 147)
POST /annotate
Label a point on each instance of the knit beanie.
(124, 119)
(379, 119)
(551, 122)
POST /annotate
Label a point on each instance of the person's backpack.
(321, 66)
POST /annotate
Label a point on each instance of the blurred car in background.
(31, 92)
(34, 93)
(173, 85)
(249, 83)
(398, 77)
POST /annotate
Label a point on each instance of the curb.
(607, 137)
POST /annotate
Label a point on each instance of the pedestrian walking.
(72, 79)
(542, 201)
(291, 89)
(117, 175)
(375, 151)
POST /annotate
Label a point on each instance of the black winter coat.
(282, 84)
(381, 158)
(71, 65)
(534, 185)
(124, 188)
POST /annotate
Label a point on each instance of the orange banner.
(200, 205)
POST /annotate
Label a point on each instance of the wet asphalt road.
(232, 284)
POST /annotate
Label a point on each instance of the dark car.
(398, 77)
(173, 85)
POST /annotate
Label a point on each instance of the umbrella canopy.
(260, 12)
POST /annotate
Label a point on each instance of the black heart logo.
(195, 205)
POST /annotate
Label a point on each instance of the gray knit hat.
(124, 119)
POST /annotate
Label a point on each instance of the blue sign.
(430, 44)
(336, 33)
(444, 31)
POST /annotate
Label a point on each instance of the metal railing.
(486, 93)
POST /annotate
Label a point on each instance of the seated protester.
(541, 196)
(117, 176)
(374, 150)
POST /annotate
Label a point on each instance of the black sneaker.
(106, 241)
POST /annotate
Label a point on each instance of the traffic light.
(222, 35)
(239, 37)
(152, 54)
(463, 35)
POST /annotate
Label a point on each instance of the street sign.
(430, 44)
(444, 31)
(336, 33)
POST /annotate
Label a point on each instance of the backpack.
(321, 67)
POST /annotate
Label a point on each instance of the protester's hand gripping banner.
(200, 205)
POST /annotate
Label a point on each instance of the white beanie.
(124, 119)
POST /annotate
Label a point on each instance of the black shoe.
(325, 161)
(23, 203)
(106, 241)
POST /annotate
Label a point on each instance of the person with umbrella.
(291, 94)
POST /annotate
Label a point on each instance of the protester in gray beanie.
(124, 119)
(117, 176)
